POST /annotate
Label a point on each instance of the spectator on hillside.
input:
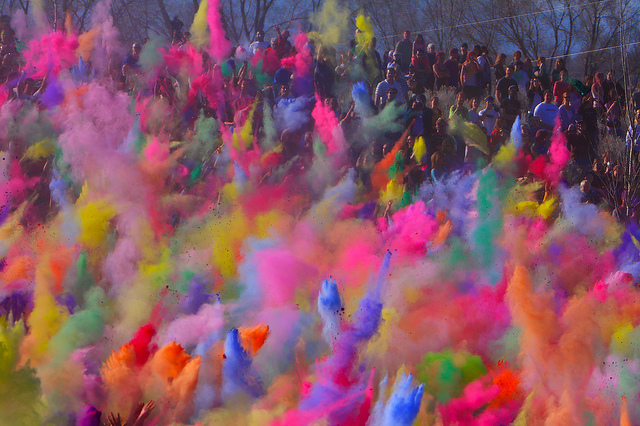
(485, 68)
(440, 71)
(540, 71)
(557, 69)
(489, 115)
(420, 67)
(470, 75)
(565, 112)
(464, 50)
(405, 48)
(633, 134)
(547, 111)
(517, 59)
(453, 67)
(610, 84)
(560, 87)
(510, 108)
(597, 91)
(503, 85)
(258, 43)
(521, 76)
(535, 94)
(383, 88)
(418, 43)
(459, 109)
(499, 67)
(283, 45)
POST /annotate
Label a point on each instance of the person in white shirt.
(547, 111)
(383, 88)
(489, 115)
(259, 43)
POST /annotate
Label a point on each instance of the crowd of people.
(489, 94)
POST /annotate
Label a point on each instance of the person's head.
(559, 64)
(566, 99)
(517, 55)
(259, 36)
(286, 34)
(431, 48)
(585, 186)
(464, 47)
(477, 50)
(435, 102)
(397, 56)
(489, 101)
(392, 93)
(637, 117)
(524, 130)
(610, 75)
(460, 99)
(419, 102)
(440, 56)
(284, 90)
(441, 125)
(541, 61)
(485, 50)
(273, 42)
(548, 96)
(597, 165)
(536, 122)
(536, 83)
(391, 75)
(509, 71)
(513, 92)
(474, 104)
(419, 53)
(453, 53)
(564, 76)
(599, 77)
(501, 59)
(406, 35)
(136, 48)
(541, 137)
(419, 39)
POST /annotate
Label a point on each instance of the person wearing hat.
(489, 115)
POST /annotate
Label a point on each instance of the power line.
(487, 21)
(595, 50)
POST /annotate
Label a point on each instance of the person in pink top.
(560, 87)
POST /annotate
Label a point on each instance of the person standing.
(547, 111)
(405, 48)
(383, 88)
(503, 85)
(453, 67)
